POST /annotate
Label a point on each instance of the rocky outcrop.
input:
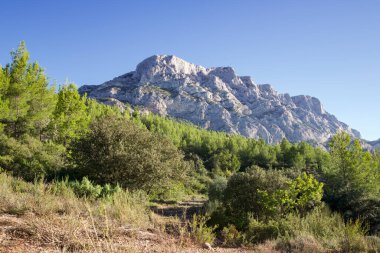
(218, 99)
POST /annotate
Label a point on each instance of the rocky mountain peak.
(165, 65)
(218, 99)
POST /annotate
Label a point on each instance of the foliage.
(117, 151)
(29, 158)
(231, 236)
(259, 231)
(25, 97)
(256, 191)
(216, 188)
(70, 119)
(86, 188)
(199, 230)
(303, 193)
(268, 194)
(353, 178)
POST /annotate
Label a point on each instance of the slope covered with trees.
(256, 191)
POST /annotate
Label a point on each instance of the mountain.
(374, 144)
(218, 99)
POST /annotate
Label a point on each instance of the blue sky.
(329, 49)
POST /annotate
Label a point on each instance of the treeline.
(351, 175)
(250, 184)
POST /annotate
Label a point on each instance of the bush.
(231, 236)
(86, 189)
(199, 230)
(117, 151)
(217, 188)
(255, 191)
(175, 192)
(268, 194)
(259, 232)
(30, 158)
(302, 194)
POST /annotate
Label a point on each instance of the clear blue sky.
(329, 49)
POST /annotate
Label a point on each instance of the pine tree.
(17, 92)
(25, 95)
(70, 117)
(41, 100)
(353, 175)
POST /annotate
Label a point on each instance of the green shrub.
(302, 194)
(86, 188)
(116, 150)
(255, 191)
(259, 232)
(217, 188)
(199, 230)
(217, 214)
(29, 158)
(268, 194)
(231, 237)
(174, 192)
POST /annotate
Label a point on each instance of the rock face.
(218, 99)
(374, 144)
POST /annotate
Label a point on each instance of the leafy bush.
(303, 193)
(174, 192)
(30, 158)
(217, 188)
(255, 191)
(117, 151)
(268, 194)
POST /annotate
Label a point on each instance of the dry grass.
(51, 216)
(38, 217)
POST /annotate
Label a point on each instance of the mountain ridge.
(218, 99)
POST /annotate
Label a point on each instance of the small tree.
(70, 117)
(26, 101)
(353, 175)
(115, 150)
(302, 194)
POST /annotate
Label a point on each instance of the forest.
(297, 196)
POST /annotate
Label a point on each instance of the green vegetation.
(72, 149)
(115, 150)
